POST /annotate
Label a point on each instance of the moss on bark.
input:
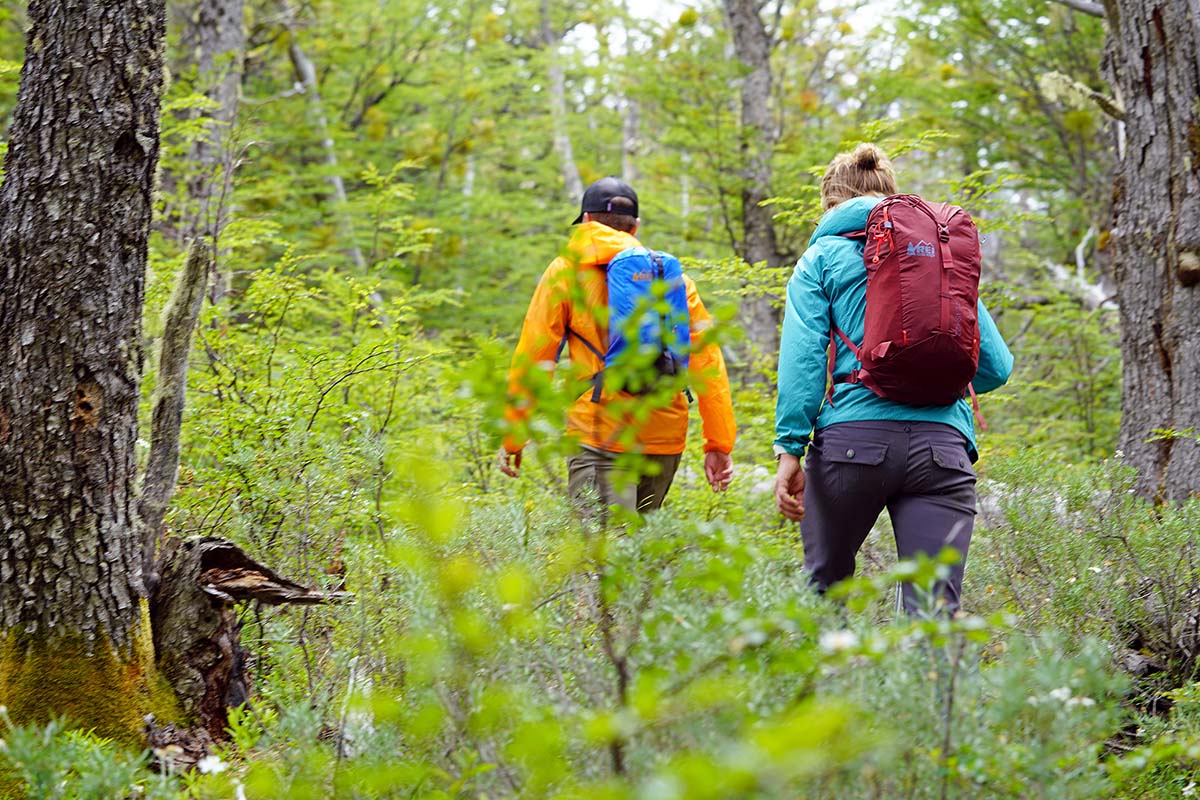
(91, 685)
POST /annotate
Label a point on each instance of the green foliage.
(1065, 392)
(1085, 552)
(291, 400)
(497, 648)
(346, 394)
(681, 658)
(51, 762)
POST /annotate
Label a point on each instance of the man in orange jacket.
(573, 295)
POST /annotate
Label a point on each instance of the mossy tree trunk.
(1153, 61)
(75, 212)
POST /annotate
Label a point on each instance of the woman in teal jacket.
(863, 453)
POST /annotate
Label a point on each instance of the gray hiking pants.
(919, 471)
(636, 483)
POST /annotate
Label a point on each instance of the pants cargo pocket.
(952, 457)
(952, 473)
(854, 466)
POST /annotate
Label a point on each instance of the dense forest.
(263, 264)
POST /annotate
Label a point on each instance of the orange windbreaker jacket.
(571, 286)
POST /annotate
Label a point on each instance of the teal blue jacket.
(829, 287)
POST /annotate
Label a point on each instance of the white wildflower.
(1061, 694)
(211, 765)
(1081, 701)
(836, 641)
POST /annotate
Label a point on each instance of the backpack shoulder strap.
(855, 375)
(841, 335)
(598, 376)
(569, 332)
(572, 332)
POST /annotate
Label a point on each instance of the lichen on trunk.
(93, 685)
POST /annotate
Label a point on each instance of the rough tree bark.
(1153, 61)
(75, 212)
(752, 43)
(76, 632)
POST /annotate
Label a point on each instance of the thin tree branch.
(1085, 7)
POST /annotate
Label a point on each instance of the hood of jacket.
(593, 243)
(850, 215)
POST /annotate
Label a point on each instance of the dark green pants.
(635, 483)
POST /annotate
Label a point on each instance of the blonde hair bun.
(866, 171)
(868, 156)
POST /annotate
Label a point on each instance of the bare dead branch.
(162, 466)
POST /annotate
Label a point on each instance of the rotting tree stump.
(194, 620)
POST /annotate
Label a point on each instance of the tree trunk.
(220, 45)
(1153, 60)
(75, 212)
(196, 626)
(306, 76)
(572, 184)
(753, 47)
(630, 140)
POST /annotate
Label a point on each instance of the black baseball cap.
(599, 196)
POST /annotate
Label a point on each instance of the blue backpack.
(663, 331)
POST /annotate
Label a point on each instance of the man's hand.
(718, 468)
(509, 463)
(789, 487)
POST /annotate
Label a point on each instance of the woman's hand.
(789, 487)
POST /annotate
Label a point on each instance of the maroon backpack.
(921, 333)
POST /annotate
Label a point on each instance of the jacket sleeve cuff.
(798, 452)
